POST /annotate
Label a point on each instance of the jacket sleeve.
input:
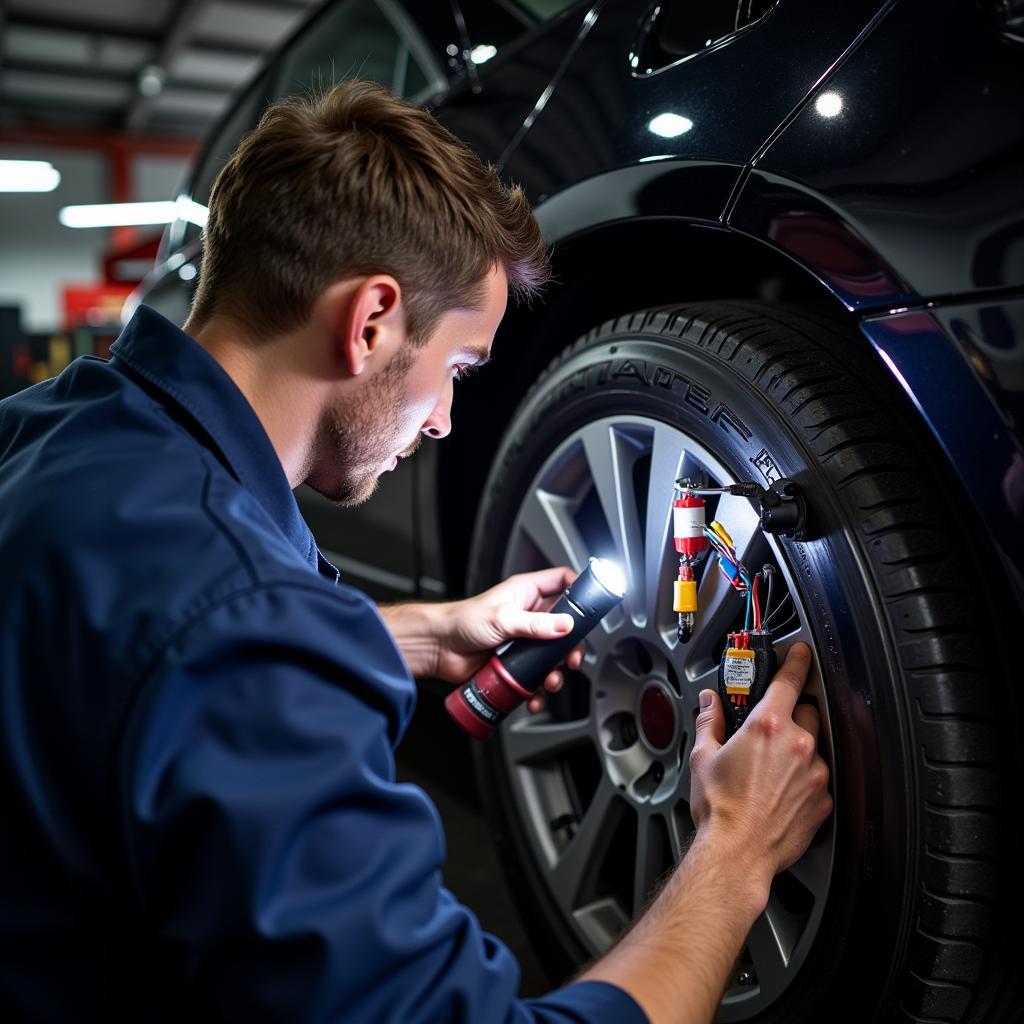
(270, 844)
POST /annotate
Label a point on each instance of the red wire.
(757, 604)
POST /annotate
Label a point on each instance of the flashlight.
(517, 671)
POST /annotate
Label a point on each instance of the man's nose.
(439, 423)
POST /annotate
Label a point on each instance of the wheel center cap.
(657, 717)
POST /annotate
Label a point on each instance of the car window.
(241, 118)
(372, 39)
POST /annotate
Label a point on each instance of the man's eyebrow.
(482, 355)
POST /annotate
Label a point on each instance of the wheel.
(892, 914)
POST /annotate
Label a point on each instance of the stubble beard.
(360, 435)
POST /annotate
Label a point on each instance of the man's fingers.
(511, 622)
(710, 726)
(785, 688)
(549, 581)
(553, 682)
(807, 717)
(575, 658)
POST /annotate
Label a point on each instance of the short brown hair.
(355, 181)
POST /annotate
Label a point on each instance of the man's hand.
(453, 640)
(767, 788)
(757, 801)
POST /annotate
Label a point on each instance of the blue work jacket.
(200, 818)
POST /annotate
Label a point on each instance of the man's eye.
(462, 372)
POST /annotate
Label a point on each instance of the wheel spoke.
(768, 947)
(680, 828)
(794, 632)
(772, 941)
(547, 520)
(602, 921)
(812, 870)
(586, 849)
(650, 858)
(611, 456)
(630, 763)
(667, 461)
(532, 738)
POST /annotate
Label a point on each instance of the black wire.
(782, 604)
(768, 575)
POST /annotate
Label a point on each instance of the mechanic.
(201, 818)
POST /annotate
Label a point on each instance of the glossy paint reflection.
(922, 151)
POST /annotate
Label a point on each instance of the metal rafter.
(100, 75)
(3, 19)
(176, 36)
(83, 27)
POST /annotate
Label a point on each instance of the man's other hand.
(765, 792)
(453, 640)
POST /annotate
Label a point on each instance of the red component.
(688, 524)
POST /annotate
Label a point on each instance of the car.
(788, 245)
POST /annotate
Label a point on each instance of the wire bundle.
(747, 584)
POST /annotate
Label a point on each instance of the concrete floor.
(435, 756)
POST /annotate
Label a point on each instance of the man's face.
(365, 435)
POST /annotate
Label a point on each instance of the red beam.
(151, 145)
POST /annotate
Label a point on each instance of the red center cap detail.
(657, 717)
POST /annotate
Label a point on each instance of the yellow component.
(739, 670)
(684, 596)
(722, 532)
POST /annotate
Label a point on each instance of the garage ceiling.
(155, 67)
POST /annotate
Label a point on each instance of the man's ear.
(363, 323)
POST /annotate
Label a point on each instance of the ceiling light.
(115, 215)
(151, 80)
(28, 176)
(190, 210)
(829, 104)
(670, 126)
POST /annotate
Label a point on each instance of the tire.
(907, 910)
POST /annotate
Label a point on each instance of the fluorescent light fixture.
(829, 104)
(116, 215)
(28, 176)
(190, 210)
(482, 53)
(670, 126)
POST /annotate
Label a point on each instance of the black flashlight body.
(516, 672)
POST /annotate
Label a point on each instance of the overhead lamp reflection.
(829, 104)
(669, 126)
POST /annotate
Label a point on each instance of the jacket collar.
(192, 380)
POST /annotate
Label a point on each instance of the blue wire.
(746, 618)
